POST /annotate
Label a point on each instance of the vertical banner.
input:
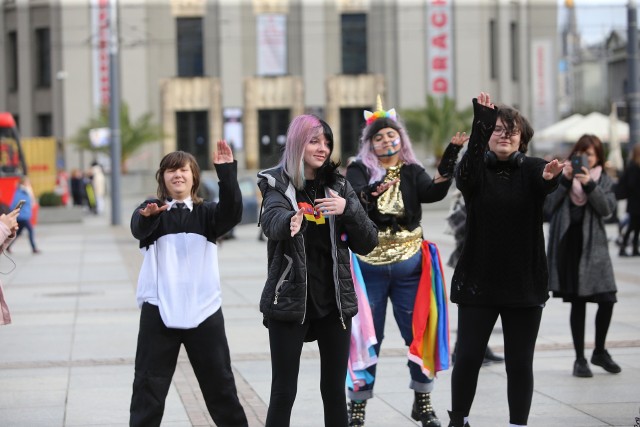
(100, 10)
(439, 48)
(272, 44)
(542, 78)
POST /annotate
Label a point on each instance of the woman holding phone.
(8, 229)
(580, 269)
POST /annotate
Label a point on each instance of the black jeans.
(156, 360)
(520, 327)
(286, 339)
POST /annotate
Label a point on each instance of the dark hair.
(176, 160)
(326, 174)
(585, 142)
(514, 121)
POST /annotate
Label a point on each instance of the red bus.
(12, 163)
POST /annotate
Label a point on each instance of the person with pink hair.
(312, 219)
(392, 186)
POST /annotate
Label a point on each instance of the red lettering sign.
(440, 85)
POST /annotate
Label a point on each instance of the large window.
(45, 126)
(192, 135)
(351, 123)
(354, 43)
(12, 61)
(190, 47)
(43, 57)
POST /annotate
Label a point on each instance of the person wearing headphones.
(502, 270)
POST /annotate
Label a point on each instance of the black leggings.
(520, 328)
(285, 340)
(634, 226)
(577, 319)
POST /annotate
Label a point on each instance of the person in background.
(179, 290)
(502, 271)
(99, 186)
(8, 229)
(628, 187)
(25, 192)
(78, 190)
(392, 186)
(311, 218)
(580, 268)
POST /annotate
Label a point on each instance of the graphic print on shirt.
(311, 213)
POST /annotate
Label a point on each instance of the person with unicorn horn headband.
(392, 185)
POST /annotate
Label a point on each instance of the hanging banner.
(272, 44)
(100, 35)
(439, 48)
(542, 78)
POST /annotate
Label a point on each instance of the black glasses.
(499, 130)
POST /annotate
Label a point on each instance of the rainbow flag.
(430, 346)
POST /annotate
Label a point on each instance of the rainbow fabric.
(430, 346)
(363, 334)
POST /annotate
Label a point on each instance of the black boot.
(457, 420)
(356, 412)
(423, 411)
(492, 357)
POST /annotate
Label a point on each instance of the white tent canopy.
(599, 125)
(556, 131)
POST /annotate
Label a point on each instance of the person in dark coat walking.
(312, 218)
(628, 187)
(580, 269)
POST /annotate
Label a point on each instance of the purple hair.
(302, 129)
(368, 156)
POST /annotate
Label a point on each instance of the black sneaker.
(605, 361)
(581, 368)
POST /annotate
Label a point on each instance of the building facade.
(243, 69)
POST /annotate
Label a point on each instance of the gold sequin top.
(398, 246)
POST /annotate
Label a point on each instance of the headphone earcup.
(516, 159)
(490, 158)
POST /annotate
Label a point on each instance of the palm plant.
(133, 135)
(437, 122)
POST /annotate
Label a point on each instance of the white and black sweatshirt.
(180, 271)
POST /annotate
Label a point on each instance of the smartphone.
(20, 204)
(577, 162)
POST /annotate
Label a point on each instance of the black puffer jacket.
(285, 293)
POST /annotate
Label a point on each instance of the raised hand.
(384, 187)
(223, 154)
(459, 138)
(296, 222)
(552, 169)
(153, 209)
(485, 99)
(333, 205)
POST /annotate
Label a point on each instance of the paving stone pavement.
(67, 359)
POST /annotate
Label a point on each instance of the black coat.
(416, 187)
(503, 261)
(285, 292)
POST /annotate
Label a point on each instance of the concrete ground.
(67, 359)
